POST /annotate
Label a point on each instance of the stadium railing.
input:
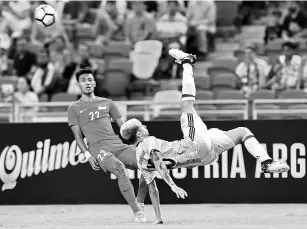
(56, 111)
(6, 112)
(300, 110)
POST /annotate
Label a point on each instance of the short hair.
(291, 44)
(82, 71)
(129, 130)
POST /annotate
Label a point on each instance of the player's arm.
(115, 114)
(78, 136)
(73, 122)
(163, 171)
(79, 140)
(155, 200)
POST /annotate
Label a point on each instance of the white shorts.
(220, 143)
(210, 143)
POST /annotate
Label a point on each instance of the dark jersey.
(94, 119)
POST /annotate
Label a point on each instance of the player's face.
(143, 130)
(87, 84)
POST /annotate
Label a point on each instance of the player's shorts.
(220, 143)
(125, 153)
(210, 143)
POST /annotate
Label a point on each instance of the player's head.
(133, 130)
(86, 80)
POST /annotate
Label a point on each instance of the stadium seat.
(230, 95)
(145, 57)
(264, 94)
(204, 95)
(202, 82)
(201, 108)
(43, 98)
(117, 77)
(100, 65)
(149, 46)
(60, 97)
(95, 50)
(117, 50)
(226, 63)
(292, 94)
(63, 97)
(225, 81)
(169, 111)
(8, 80)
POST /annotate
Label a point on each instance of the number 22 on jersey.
(94, 115)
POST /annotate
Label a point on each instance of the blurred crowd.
(282, 67)
(44, 60)
(48, 57)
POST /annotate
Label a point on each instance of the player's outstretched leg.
(110, 163)
(245, 136)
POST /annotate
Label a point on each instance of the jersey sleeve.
(147, 166)
(72, 116)
(114, 112)
(151, 144)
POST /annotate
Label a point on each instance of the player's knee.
(120, 170)
(243, 132)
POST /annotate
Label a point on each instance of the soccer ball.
(45, 15)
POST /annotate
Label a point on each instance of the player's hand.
(179, 192)
(94, 163)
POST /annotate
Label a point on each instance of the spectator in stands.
(252, 72)
(202, 18)
(70, 67)
(172, 25)
(274, 28)
(295, 23)
(43, 74)
(100, 22)
(139, 26)
(286, 73)
(3, 61)
(15, 16)
(26, 98)
(23, 59)
(73, 10)
(5, 43)
(118, 19)
(82, 60)
(171, 29)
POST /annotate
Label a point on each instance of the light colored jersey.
(176, 154)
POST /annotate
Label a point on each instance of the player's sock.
(142, 191)
(188, 84)
(255, 148)
(127, 191)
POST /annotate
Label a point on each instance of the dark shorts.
(125, 153)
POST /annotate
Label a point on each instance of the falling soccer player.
(200, 146)
(91, 116)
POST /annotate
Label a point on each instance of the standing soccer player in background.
(91, 116)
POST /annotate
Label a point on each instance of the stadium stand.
(141, 80)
